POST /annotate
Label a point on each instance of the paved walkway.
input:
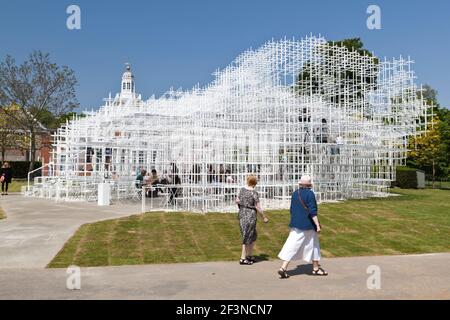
(402, 277)
(36, 229)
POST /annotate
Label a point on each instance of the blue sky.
(180, 43)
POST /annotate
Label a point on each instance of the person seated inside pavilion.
(147, 179)
(153, 181)
(140, 179)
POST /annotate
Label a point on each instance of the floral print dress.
(247, 215)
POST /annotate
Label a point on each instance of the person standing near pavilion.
(249, 205)
(303, 241)
(5, 177)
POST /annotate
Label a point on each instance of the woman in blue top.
(303, 242)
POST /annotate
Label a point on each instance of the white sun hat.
(305, 180)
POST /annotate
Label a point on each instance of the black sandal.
(251, 258)
(283, 274)
(319, 272)
(245, 262)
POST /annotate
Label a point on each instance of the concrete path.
(36, 229)
(402, 277)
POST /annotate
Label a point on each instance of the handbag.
(2, 178)
(307, 211)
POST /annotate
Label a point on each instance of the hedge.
(406, 178)
(20, 169)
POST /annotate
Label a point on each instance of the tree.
(10, 136)
(53, 122)
(442, 126)
(428, 150)
(6, 135)
(353, 76)
(37, 87)
(430, 95)
(444, 116)
(353, 44)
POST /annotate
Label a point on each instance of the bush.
(20, 169)
(406, 178)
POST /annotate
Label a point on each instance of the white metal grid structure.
(288, 108)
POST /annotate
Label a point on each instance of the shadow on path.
(301, 269)
(261, 257)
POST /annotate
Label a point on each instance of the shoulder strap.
(301, 202)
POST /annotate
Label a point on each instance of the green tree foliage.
(10, 136)
(353, 76)
(431, 151)
(430, 95)
(444, 127)
(52, 122)
(353, 44)
(427, 151)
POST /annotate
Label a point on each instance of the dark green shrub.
(406, 178)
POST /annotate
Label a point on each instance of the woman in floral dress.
(249, 205)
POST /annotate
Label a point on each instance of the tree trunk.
(32, 149)
(434, 172)
(3, 153)
(27, 154)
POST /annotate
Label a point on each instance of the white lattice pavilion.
(288, 108)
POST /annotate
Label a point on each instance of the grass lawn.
(439, 184)
(16, 185)
(418, 221)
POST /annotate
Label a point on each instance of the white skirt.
(301, 244)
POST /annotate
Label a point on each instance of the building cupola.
(127, 87)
